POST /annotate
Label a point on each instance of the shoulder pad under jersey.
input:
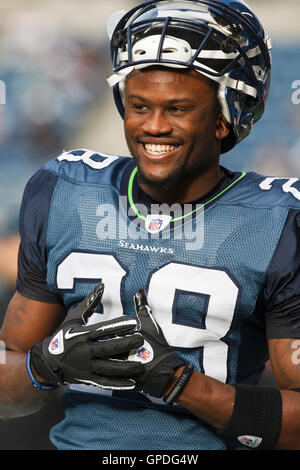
(266, 191)
(89, 166)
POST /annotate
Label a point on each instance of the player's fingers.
(110, 384)
(119, 326)
(117, 368)
(118, 345)
(144, 315)
(87, 306)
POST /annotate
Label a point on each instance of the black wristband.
(177, 389)
(256, 417)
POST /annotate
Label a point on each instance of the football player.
(155, 288)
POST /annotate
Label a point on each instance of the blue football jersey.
(216, 274)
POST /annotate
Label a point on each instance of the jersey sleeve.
(33, 221)
(280, 297)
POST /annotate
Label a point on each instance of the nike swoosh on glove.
(92, 354)
(157, 357)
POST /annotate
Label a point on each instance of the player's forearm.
(213, 402)
(207, 398)
(18, 397)
(289, 438)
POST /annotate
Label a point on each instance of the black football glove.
(159, 361)
(92, 354)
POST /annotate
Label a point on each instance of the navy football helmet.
(221, 39)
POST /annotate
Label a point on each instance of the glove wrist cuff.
(32, 378)
(180, 384)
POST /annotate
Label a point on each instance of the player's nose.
(157, 123)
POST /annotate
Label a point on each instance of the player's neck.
(191, 190)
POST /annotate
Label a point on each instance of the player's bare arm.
(213, 401)
(284, 356)
(26, 322)
(286, 368)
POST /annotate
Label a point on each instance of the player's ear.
(222, 129)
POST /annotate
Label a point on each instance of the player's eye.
(139, 107)
(177, 109)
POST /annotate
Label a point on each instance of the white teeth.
(159, 149)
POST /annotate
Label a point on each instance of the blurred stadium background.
(54, 61)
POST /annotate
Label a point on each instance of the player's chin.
(163, 179)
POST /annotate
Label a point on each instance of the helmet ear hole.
(229, 45)
(252, 105)
(118, 39)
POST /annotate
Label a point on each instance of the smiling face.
(173, 129)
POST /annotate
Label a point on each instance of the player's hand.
(90, 354)
(159, 361)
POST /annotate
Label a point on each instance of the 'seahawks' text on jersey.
(222, 276)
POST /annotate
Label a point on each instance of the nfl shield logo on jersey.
(157, 223)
